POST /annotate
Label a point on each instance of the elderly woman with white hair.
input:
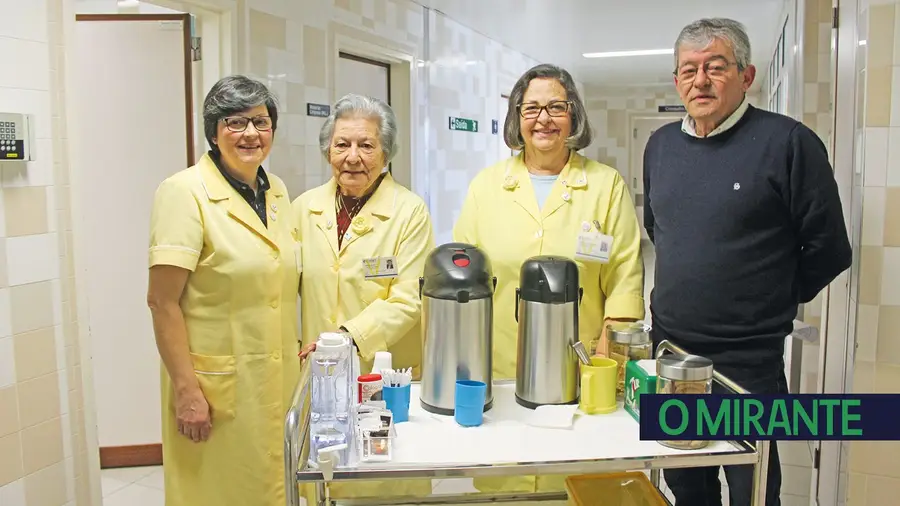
(362, 217)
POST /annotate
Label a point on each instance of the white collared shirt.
(687, 124)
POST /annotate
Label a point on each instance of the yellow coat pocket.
(218, 381)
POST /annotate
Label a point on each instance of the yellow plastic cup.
(598, 386)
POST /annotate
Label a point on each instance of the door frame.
(401, 61)
(124, 456)
(839, 308)
(368, 61)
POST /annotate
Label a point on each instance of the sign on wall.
(463, 124)
(318, 110)
(671, 108)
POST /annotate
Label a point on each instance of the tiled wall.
(467, 74)
(874, 467)
(610, 109)
(460, 73)
(43, 446)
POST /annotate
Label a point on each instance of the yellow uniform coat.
(239, 307)
(500, 215)
(382, 314)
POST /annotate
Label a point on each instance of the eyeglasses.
(556, 109)
(716, 69)
(239, 123)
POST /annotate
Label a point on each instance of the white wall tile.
(36, 102)
(31, 61)
(893, 165)
(36, 173)
(13, 494)
(795, 480)
(24, 20)
(873, 216)
(32, 258)
(296, 126)
(875, 168)
(866, 333)
(890, 289)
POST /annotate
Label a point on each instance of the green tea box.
(640, 378)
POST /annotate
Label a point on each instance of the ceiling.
(561, 31)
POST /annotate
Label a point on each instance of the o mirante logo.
(770, 417)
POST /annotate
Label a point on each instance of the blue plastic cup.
(397, 400)
(469, 405)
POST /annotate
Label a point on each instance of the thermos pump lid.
(457, 271)
(549, 279)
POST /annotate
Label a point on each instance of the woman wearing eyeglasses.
(224, 274)
(538, 203)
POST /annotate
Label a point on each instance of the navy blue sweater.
(747, 225)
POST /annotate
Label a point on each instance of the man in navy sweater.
(743, 209)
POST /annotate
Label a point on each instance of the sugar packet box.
(640, 378)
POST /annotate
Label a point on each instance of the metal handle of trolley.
(761, 469)
(296, 429)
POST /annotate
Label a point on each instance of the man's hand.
(192, 414)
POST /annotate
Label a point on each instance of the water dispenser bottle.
(332, 377)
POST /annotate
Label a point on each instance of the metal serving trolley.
(433, 447)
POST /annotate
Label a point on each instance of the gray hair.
(233, 95)
(353, 105)
(703, 32)
(582, 133)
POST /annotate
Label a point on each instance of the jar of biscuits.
(627, 341)
(684, 374)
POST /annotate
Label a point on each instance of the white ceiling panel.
(561, 31)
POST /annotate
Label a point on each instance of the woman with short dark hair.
(224, 274)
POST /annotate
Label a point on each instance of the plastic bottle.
(332, 378)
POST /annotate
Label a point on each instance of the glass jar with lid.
(684, 374)
(627, 341)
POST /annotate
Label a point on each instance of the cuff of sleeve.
(366, 345)
(178, 257)
(625, 306)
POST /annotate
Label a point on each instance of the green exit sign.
(463, 124)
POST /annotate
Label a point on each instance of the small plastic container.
(614, 489)
(368, 388)
(376, 445)
(627, 341)
(469, 402)
(397, 400)
(684, 374)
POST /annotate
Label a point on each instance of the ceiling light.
(641, 52)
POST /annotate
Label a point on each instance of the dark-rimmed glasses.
(555, 108)
(239, 123)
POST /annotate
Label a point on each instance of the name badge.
(593, 247)
(380, 267)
